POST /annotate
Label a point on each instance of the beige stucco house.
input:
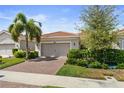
(120, 44)
(52, 44)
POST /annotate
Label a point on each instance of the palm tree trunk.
(26, 37)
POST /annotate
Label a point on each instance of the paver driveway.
(41, 65)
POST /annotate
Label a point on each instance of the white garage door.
(55, 49)
(6, 49)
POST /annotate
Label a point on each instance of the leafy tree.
(20, 25)
(100, 23)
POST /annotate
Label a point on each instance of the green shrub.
(33, 54)
(109, 56)
(85, 54)
(105, 66)
(36, 53)
(120, 66)
(104, 56)
(95, 65)
(82, 63)
(20, 54)
(80, 54)
(14, 50)
(71, 61)
(74, 53)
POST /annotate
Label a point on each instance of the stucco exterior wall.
(31, 45)
(74, 44)
(121, 43)
(5, 38)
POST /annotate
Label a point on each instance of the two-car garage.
(58, 43)
(55, 49)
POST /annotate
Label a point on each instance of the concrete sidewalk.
(53, 80)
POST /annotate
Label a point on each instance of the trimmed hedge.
(105, 57)
(109, 56)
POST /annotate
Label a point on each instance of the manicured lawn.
(52, 87)
(6, 62)
(78, 71)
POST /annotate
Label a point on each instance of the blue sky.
(53, 18)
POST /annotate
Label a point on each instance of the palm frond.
(10, 27)
(15, 35)
(19, 27)
(15, 30)
(33, 30)
(21, 17)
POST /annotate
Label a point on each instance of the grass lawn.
(6, 62)
(52, 87)
(78, 71)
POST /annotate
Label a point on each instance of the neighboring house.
(121, 39)
(6, 44)
(120, 43)
(52, 44)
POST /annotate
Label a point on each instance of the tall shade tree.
(100, 26)
(21, 25)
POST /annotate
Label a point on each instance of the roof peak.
(59, 34)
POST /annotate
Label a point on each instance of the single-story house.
(52, 44)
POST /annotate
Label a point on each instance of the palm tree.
(20, 25)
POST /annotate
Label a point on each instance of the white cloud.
(39, 17)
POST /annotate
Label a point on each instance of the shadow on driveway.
(43, 59)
